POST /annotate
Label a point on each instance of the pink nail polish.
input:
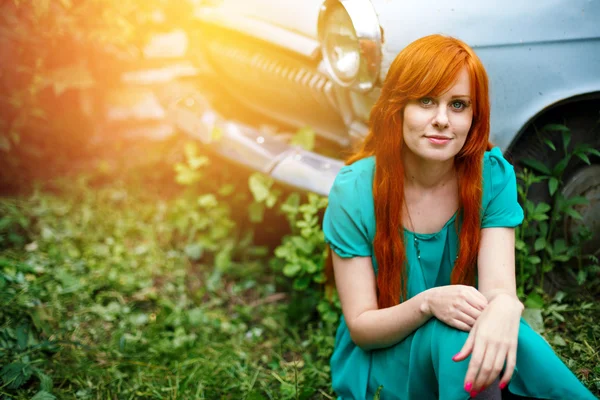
(468, 386)
(454, 357)
(473, 393)
(502, 385)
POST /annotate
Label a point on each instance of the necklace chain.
(414, 232)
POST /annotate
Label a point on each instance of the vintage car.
(270, 68)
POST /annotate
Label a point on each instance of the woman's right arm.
(372, 328)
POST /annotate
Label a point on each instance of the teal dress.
(420, 367)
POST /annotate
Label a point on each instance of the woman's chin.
(438, 154)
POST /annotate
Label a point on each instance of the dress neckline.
(425, 236)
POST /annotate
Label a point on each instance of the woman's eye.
(458, 105)
(426, 101)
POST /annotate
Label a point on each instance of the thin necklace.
(413, 231)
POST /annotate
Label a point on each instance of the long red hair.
(426, 67)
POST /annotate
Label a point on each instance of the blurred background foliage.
(60, 58)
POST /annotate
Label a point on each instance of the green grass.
(111, 292)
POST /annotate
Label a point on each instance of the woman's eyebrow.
(461, 95)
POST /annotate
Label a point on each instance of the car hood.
(486, 24)
(297, 16)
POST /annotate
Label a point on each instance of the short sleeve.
(343, 225)
(501, 206)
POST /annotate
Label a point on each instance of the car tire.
(579, 178)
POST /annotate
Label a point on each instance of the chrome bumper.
(258, 150)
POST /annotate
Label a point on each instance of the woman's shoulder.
(358, 175)
(497, 172)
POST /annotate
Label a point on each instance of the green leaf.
(560, 167)
(582, 276)
(282, 252)
(566, 136)
(552, 185)
(272, 198)
(542, 208)
(537, 165)
(194, 251)
(305, 138)
(573, 214)
(593, 152)
(559, 296)
(540, 243)
(534, 318)
(198, 162)
(226, 189)
(577, 200)
(302, 244)
(22, 336)
(520, 245)
(43, 395)
(302, 283)
(330, 316)
(534, 300)
(223, 259)
(291, 270)
(310, 267)
(584, 158)
(550, 144)
(558, 341)
(256, 212)
(207, 201)
(320, 278)
(291, 204)
(15, 375)
(260, 186)
(556, 127)
(560, 246)
(45, 380)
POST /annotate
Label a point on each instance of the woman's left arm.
(493, 338)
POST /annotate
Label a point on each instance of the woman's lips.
(438, 139)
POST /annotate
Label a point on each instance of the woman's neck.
(426, 174)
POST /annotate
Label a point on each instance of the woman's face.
(435, 128)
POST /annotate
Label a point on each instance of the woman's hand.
(456, 305)
(491, 342)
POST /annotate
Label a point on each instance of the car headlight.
(351, 42)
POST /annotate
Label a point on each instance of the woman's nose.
(440, 120)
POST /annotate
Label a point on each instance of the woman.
(420, 217)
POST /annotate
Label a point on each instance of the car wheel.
(579, 178)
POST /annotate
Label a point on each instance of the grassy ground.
(112, 291)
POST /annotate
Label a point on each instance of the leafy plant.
(540, 249)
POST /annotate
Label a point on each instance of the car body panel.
(295, 16)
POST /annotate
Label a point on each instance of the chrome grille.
(277, 84)
(319, 85)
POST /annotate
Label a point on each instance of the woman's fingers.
(467, 347)
(511, 361)
(486, 369)
(466, 318)
(460, 325)
(471, 311)
(476, 299)
(497, 366)
(474, 365)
